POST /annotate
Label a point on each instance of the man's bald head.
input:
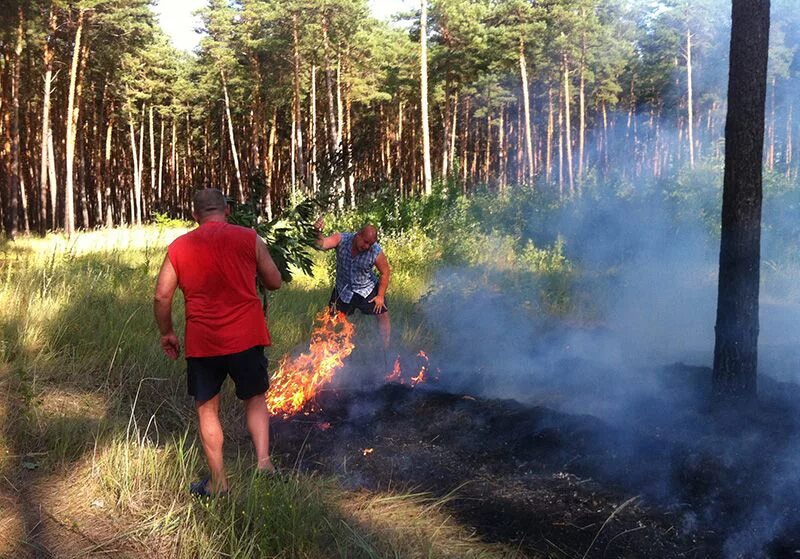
(369, 233)
(208, 202)
(365, 238)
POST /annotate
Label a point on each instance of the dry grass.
(86, 396)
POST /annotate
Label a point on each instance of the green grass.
(85, 391)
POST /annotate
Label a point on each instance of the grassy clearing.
(88, 403)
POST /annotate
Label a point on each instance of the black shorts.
(248, 369)
(357, 302)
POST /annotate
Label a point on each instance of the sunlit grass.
(84, 387)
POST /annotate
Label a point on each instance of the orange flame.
(421, 376)
(395, 375)
(298, 380)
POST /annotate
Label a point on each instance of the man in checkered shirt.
(357, 286)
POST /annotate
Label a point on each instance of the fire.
(298, 380)
(367, 451)
(396, 374)
(422, 375)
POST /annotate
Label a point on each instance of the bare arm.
(166, 284)
(382, 263)
(326, 243)
(268, 272)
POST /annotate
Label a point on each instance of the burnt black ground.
(705, 483)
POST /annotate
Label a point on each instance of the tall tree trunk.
(689, 95)
(152, 156)
(523, 70)
(72, 121)
(273, 139)
(107, 170)
(313, 138)
(568, 125)
(140, 206)
(298, 129)
(399, 148)
(51, 171)
(348, 147)
(789, 141)
(333, 145)
(16, 182)
(549, 143)
(240, 193)
(161, 166)
(426, 135)
(48, 81)
(771, 126)
(340, 133)
(736, 344)
(561, 143)
(453, 130)
(582, 102)
(137, 177)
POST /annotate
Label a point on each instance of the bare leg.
(212, 438)
(258, 425)
(385, 326)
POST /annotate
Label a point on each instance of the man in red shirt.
(216, 265)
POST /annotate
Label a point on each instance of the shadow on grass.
(96, 374)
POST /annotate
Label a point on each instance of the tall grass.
(86, 390)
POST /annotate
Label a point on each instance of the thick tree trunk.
(426, 134)
(736, 344)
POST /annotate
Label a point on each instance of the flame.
(297, 381)
(422, 375)
(396, 374)
(367, 451)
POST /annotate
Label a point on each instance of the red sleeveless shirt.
(216, 269)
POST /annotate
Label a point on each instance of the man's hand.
(319, 225)
(378, 302)
(171, 345)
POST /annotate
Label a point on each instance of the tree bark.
(523, 70)
(72, 121)
(426, 135)
(298, 129)
(240, 193)
(736, 343)
(16, 182)
(49, 56)
(568, 125)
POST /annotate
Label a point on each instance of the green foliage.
(289, 236)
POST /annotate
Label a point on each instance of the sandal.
(200, 489)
